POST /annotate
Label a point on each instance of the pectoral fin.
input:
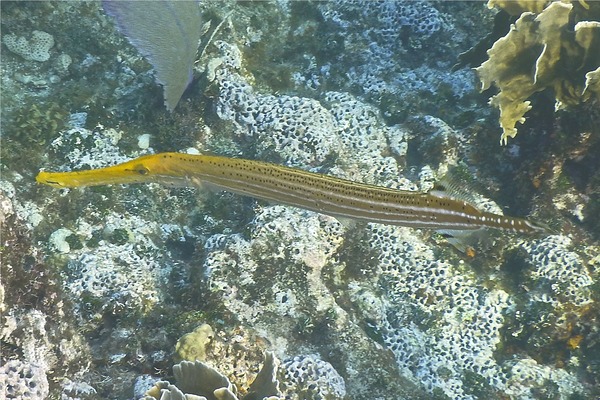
(465, 241)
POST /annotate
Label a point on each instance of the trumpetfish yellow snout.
(312, 191)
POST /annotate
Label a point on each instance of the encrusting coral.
(35, 49)
(541, 51)
(192, 346)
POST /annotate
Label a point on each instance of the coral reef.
(541, 52)
(122, 274)
(311, 377)
(460, 321)
(379, 35)
(296, 129)
(38, 341)
(559, 274)
(303, 131)
(37, 48)
(22, 380)
(113, 264)
(104, 289)
(87, 148)
(305, 376)
(192, 346)
(392, 17)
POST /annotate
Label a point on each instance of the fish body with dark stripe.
(296, 187)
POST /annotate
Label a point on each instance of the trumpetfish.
(309, 190)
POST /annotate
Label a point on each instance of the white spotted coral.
(300, 130)
(304, 131)
(37, 48)
(23, 380)
(313, 378)
(558, 274)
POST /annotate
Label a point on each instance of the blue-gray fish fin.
(167, 33)
(464, 240)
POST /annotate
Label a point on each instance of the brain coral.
(192, 345)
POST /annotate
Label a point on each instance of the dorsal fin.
(457, 184)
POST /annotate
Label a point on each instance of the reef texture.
(554, 48)
(37, 48)
(381, 42)
(146, 290)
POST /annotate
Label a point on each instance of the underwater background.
(103, 290)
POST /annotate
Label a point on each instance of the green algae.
(38, 123)
(75, 242)
(119, 236)
(478, 386)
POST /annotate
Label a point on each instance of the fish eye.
(141, 170)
